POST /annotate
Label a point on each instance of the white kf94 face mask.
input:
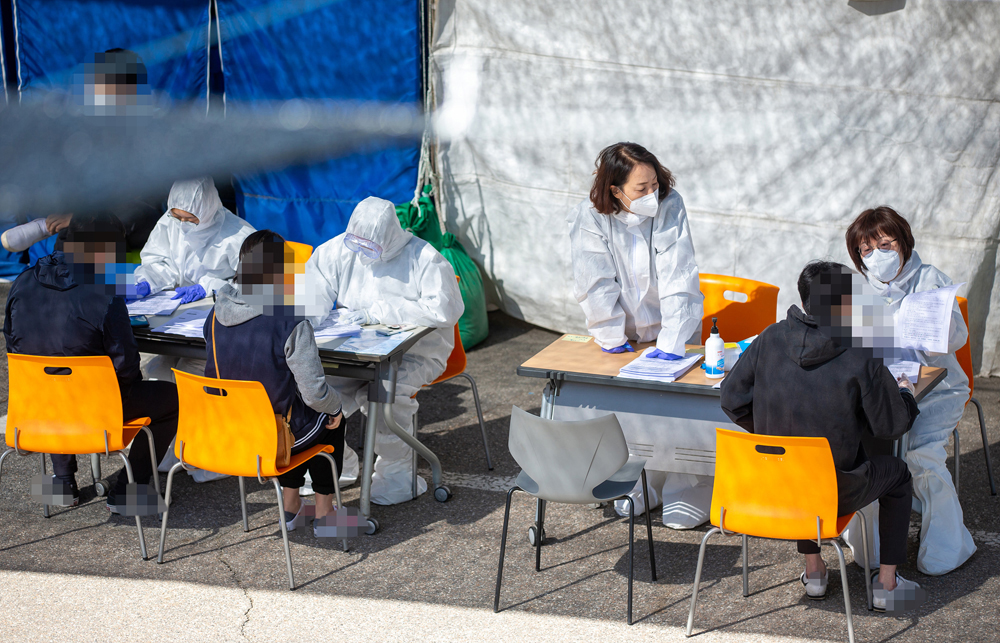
(644, 206)
(882, 264)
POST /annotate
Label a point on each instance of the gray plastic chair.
(576, 463)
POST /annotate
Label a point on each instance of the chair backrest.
(774, 487)
(302, 251)
(567, 459)
(737, 320)
(964, 354)
(224, 425)
(63, 404)
(457, 359)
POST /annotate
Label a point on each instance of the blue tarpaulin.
(365, 50)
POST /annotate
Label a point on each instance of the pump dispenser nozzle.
(715, 327)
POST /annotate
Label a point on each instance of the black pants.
(890, 483)
(319, 467)
(158, 402)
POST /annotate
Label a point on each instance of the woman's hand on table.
(656, 353)
(620, 349)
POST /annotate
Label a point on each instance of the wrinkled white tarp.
(782, 120)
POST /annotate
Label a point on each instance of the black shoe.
(70, 481)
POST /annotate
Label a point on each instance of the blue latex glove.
(141, 290)
(620, 349)
(187, 294)
(656, 353)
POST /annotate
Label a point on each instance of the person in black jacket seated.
(70, 304)
(802, 377)
(256, 334)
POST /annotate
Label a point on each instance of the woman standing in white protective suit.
(881, 244)
(385, 275)
(636, 278)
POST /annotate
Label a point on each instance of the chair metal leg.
(479, 413)
(95, 467)
(986, 446)
(336, 484)
(3, 456)
(152, 457)
(958, 458)
(166, 512)
(868, 557)
(45, 508)
(746, 566)
(284, 533)
(243, 503)
(413, 464)
(138, 521)
(539, 525)
(631, 557)
(697, 577)
(847, 593)
(503, 549)
(649, 527)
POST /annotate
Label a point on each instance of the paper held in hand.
(924, 319)
(158, 304)
(658, 370)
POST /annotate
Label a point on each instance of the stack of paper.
(658, 370)
(158, 304)
(190, 323)
(910, 369)
(332, 327)
(376, 345)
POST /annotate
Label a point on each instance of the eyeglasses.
(368, 248)
(884, 244)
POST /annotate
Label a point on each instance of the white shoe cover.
(687, 499)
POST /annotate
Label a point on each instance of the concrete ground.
(430, 572)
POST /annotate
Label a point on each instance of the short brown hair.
(614, 164)
(873, 223)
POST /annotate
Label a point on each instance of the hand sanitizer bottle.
(715, 353)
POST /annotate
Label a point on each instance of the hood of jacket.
(230, 307)
(52, 271)
(808, 345)
(200, 198)
(375, 220)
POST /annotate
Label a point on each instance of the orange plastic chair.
(737, 319)
(70, 405)
(783, 488)
(227, 426)
(964, 356)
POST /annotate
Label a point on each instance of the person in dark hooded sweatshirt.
(802, 377)
(71, 304)
(255, 333)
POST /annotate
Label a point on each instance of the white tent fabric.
(782, 120)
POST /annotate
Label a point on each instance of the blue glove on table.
(620, 349)
(141, 290)
(656, 353)
(187, 294)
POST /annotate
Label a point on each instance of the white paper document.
(910, 369)
(332, 327)
(925, 318)
(658, 370)
(190, 323)
(158, 304)
(377, 345)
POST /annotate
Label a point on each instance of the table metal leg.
(547, 411)
(95, 466)
(368, 459)
(412, 442)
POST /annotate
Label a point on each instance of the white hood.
(200, 198)
(375, 220)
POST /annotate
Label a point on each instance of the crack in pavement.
(246, 614)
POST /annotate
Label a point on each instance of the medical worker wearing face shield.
(382, 274)
(636, 279)
(881, 245)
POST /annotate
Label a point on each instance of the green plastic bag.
(421, 219)
(474, 324)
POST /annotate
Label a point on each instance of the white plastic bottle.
(715, 353)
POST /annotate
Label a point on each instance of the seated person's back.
(803, 377)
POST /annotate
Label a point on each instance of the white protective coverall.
(945, 543)
(410, 282)
(180, 253)
(641, 284)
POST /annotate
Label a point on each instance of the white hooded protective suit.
(410, 282)
(945, 543)
(184, 254)
(636, 280)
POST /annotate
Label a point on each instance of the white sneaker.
(906, 596)
(292, 520)
(815, 585)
